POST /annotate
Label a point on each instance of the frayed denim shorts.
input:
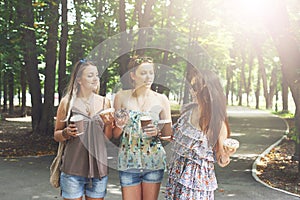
(135, 177)
(76, 186)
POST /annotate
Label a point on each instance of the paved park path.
(27, 178)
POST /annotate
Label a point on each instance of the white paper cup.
(109, 111)
(164, 127)
(231, 143)
(78, 121)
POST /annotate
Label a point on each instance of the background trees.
(253, 46)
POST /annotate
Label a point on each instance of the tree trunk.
(46, 125)
(123, 60)
(10, 76)
(240, 94)
(232, 92)
(144, 21)
(228, 78)
(285, 41)
(285, 92)
(273, 86)
(257, 91)
(23, 91)
(76, 49)
(25, 12)
(263, 74)
(5, 88)
(248, 85)
(242, 79)
(62, 78)
(1, 88)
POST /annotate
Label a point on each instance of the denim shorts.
(132, 178)
(76, 186)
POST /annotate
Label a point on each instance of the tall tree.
(279, 27)
(63, 42)
(76, 45)
(47, 118)
(25, 12)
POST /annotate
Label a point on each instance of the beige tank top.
(86, 155)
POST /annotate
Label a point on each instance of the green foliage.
(293, 135)
(220, 28)
(284, 114)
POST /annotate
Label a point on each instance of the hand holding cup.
(121, 118)
(107, 116)
(149, 129)
(231, 145)
(76, 126)
(165, 130)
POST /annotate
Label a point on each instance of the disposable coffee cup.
(78, 121)
(162, 123)
(107, 114)
(164, 127)
(231, 143)
(145, 120)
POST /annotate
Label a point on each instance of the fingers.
(229, 150)
(150, 130)
(107, 119)
(72, 130)
(121, 122)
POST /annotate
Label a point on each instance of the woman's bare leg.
(132, 192)
(89, 198)
(150, 191)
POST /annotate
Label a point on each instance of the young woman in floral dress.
(198, 141)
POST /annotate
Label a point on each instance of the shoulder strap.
(103, 103)
(187, 107)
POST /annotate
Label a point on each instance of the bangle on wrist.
(222, 162)
(64, 134)
(109, 125)
(119, 126)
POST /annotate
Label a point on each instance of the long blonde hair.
(73, 86)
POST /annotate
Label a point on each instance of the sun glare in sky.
(249, 12)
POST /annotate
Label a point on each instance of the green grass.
(284, 114)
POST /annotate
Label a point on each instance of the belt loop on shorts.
(90, 182)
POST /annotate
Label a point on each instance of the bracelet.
(64, 134)
(221, 161)
(119, 126)
(109, 124)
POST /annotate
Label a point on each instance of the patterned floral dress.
(137, 152)
(191, 168)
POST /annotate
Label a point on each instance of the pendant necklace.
(87, 105)
(141, 107)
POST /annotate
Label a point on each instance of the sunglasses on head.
(141, 60)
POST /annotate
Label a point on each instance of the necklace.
(141, 107)
(87, 104)
(141, 104)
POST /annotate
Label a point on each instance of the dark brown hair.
(212, 103)
(137, 60)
